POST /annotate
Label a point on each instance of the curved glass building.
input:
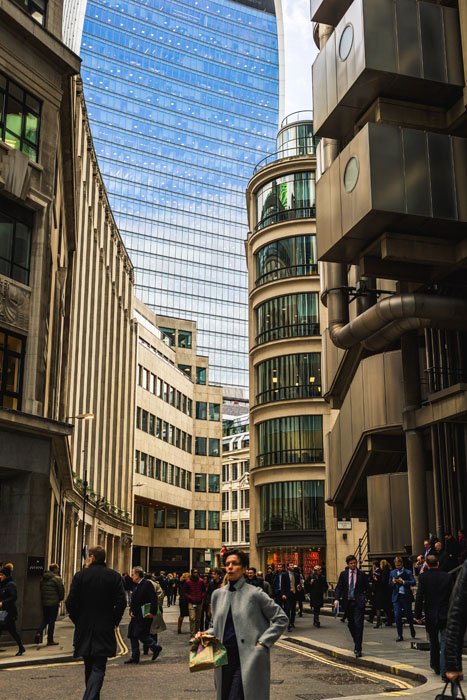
(183, 100)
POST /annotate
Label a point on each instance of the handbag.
(454, 685)
(207, 654)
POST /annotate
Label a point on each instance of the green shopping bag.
(208, 653)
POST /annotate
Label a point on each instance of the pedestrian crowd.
(263, 608)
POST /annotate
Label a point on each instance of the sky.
(300, 51)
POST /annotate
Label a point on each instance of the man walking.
(194, 590)
(433, 593)
(351, 592)
(139, 630)
(248, 622)
(401, 580)
(316, 586)
(52, 593)
(294, 588)
(95, 604)
(456, 628)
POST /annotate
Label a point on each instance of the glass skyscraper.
(183, 99)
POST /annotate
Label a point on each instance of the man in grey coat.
(248, 623)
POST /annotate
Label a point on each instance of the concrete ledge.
(24, 661)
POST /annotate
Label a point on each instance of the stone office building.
(177, 462)
(65, 302)
(392, 233)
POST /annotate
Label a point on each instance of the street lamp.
(87, 416)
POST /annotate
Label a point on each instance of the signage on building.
(36, 566)
(344, 524)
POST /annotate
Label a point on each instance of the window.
(235, 471)
(225, 532)
(214, 447)
(200, 446)
(289, 377)
(146, 374)
(138, 417)
(19, 118)
(225, 500)
(164, 471)
(287, 257)
(158, 427)
(291, 316)
(170, 474)
(178, 401)
(150, 466)
(184, 339)
(247, 530)
(200, 519)
(189, 405)
(159, 388)
(214, 483)
(171, 396)
(183, 519)
(36, 8)
(171, 519)
(165, 391)
(15, 247)
(290, 440)
(213, 520)
(12, 349)
(141, 515)
(139, 373)
(234, 500)
(188, 481)
(247, 498)
(159, 517)
(152, 383)
(234, 531)
(158, 469)
(136, 461)
(225, 472)
(144, 421)
(289, 197)
(152, 424)
(201, 375)
(214, 411)
(200, 482)
(168, 336)
(201, 410)
(292, 505)
(186, 369)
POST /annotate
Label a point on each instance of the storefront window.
(292, 505)
(289, 377)
(286, 198)
(304, 557)
(291, 316)
(287, 257)
(290, 440)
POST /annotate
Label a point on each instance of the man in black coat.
(433, 593)
(95, 604)
(351, 591)
(144, 594)
(8, 597)
(456, 628)
(316, 586)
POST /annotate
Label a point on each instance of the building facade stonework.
(177, 459)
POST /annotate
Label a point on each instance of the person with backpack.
(52, 594)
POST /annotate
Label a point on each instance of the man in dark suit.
(401, 580)
(294, 589)
(139, 628)
(433, 593)
(95, 604)
(281, 587)
(351, 592)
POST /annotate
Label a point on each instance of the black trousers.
(94, 672)
(49, 617)
(10, 626)
(316, 607)
(144, 637)
(292, 602)
(355, 616)
(232, 688)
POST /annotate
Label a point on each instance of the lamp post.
(88, 416)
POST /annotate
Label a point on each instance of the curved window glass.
(289, 377)
(290, 440)
(288, 257)
(291, 316)
(296, 140)
(288, 197)
(292, 505)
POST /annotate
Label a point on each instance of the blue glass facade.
(183, 99)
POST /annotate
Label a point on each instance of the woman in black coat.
(316, 586)
(8, 597)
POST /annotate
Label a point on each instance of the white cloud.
(300, 51)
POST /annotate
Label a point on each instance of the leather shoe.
(156, 652)
(131, 661)
(52, 644)
(400, 639)
(20, 651)
(357, 654)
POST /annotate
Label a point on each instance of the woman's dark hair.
(242, 556)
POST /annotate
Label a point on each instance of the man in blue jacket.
(401, 581)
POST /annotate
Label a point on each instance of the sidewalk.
(380, 652)
(40, 654)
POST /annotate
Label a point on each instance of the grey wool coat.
(256, 618)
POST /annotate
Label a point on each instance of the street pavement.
(309, 663)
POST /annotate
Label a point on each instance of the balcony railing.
(287, 215)
(309, 455)
(285, 272)
(302, 146)
(304, 115)
(285, 393)
(297, 330)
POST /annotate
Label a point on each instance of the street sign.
(344, 524)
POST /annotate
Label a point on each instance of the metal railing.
(302, 146)
(361, 553)
(304, 391)
(302, 115)
(296, 456)
(297, 330)
(285, 272)
(286, 215)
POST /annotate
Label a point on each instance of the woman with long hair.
(182, 601)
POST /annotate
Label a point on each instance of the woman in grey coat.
(248, 622)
